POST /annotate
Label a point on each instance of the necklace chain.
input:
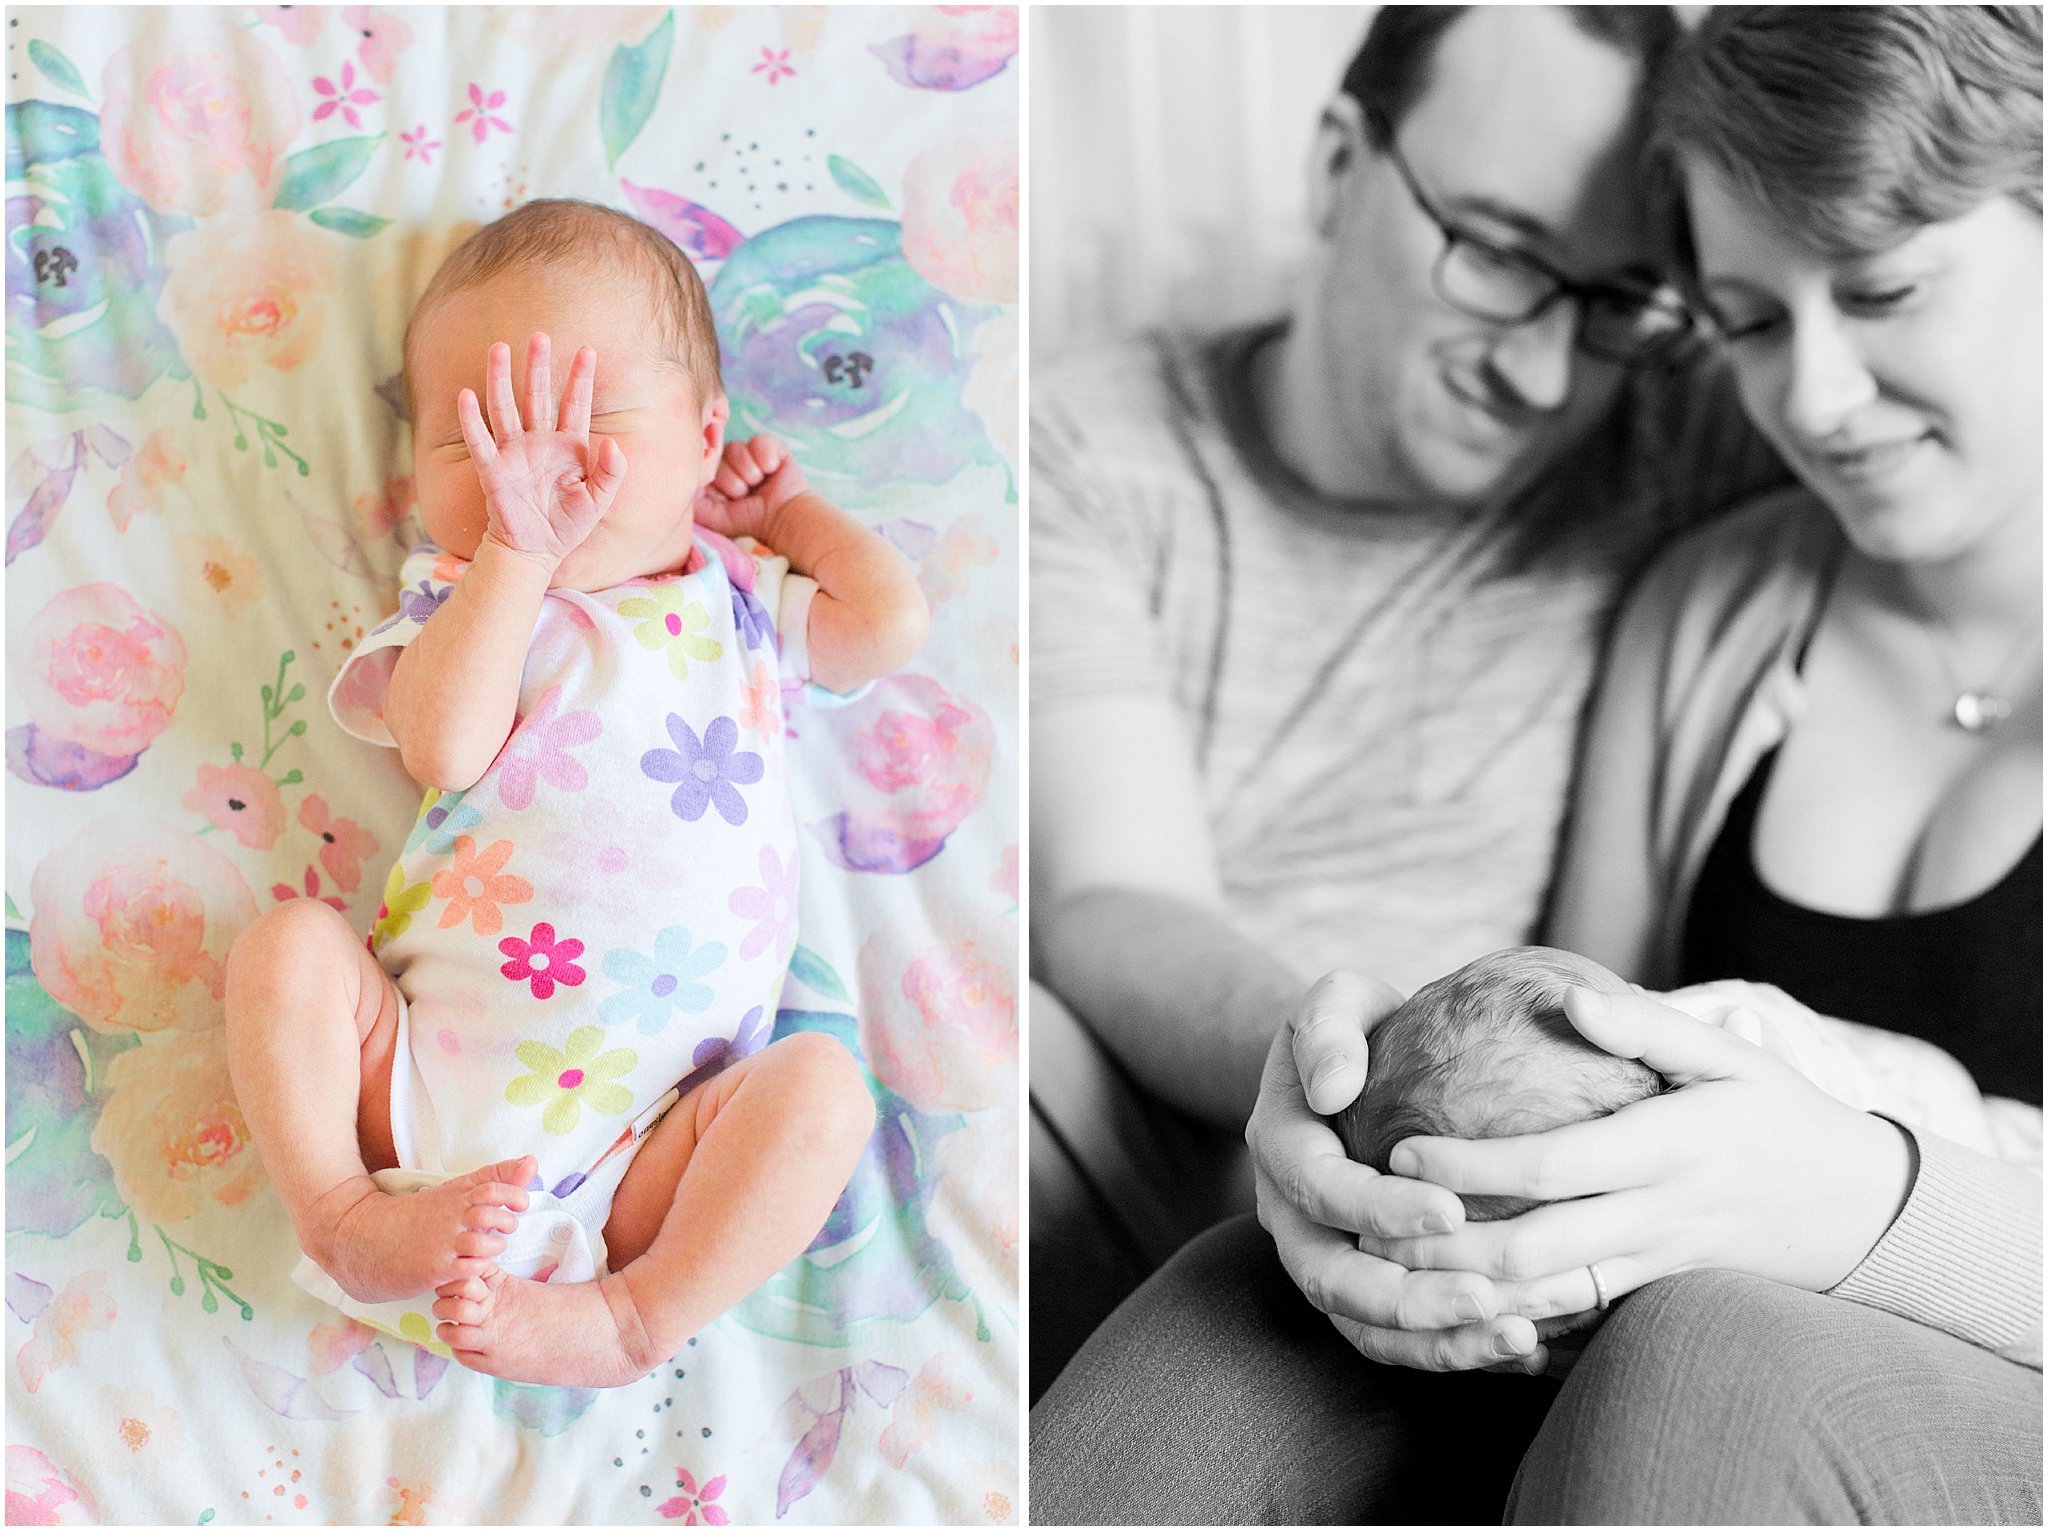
(1977, 709)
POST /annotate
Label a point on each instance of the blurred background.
(1167, 160)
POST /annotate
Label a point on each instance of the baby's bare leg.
(731, 1187)
(312, 1023)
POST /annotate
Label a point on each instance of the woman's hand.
(1741, 1165)
(1314, 1201)
(545, 490)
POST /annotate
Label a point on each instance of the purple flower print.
(423, 600)
(756, 627)
(539, 747)
(707, 773)
(343, 98)
(772, 905)
(542, 961)
(479, 113)
(714, 1055)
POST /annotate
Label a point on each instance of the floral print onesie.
(606, 915)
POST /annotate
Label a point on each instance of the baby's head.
(1486, 1052)
(582, 275)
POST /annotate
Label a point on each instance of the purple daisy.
(707, 773)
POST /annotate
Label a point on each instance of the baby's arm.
(455, 690)
(869, 616)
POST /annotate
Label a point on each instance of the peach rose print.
(80, 1308)
(132, 926)
(960, 217)
(241, 800)
(172, 1131)
(148, 478)
(944, 1034)
(198, 115)
(40, 1493)
(99, 677)
(247, 292)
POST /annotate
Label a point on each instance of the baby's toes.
(462, 1311)
(485, 1245)
(471, 1268)
(471, 1287)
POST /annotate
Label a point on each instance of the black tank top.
(1966, 977)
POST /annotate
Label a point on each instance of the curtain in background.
(1167, 160)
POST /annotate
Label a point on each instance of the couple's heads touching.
(1851, 206)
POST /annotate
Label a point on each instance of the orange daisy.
(494, 886)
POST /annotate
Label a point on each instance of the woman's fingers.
(1328, 1031)
(475, 435)
(1609, 1153)
(575, 416)
(540, 392)
(1509, 1343)
(1340, 1279)
(1667, 1040)
(1546, 1241)
(498, 392)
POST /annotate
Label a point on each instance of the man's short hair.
(1391, 70)
(1855, 125)
(564, 231)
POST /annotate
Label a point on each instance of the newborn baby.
(538, 1108)
(1486, 1052)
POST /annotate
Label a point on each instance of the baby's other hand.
(754, 480)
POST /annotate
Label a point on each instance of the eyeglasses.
(1627, 325)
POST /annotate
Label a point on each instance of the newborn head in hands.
(1486, 1052)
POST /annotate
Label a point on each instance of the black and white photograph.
(1534, 766)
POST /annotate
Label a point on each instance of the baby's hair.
(1477, 1053)
(564, 231)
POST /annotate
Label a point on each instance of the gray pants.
(1216, 1395)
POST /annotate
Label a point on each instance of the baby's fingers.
(576, 397)
(498, 392)
(768, 453)
(482, 450)
(607, 472)
(540, 391)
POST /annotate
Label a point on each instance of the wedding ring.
(1600, 1298)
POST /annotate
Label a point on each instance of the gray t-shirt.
(1383, 703)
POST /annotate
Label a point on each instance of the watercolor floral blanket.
(217, 220)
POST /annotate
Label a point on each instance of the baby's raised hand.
(545, 489)
(754, 480)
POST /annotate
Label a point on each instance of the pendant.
(1978, 712)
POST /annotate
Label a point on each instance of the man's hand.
(1314, 1201)
(545, 490)
(755, 479)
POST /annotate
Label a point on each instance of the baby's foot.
(580, 1334)
(382, 1248)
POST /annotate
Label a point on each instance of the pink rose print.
(172, 1130)
(478, 114)
(943, 1034)
(543, 961)
(418, 146)
(39, 1493)
(539, 749)
(242, 800)
(772, 905)
(99, 678)
(297, 24)
(282, 891)
(247, 292)
(385, 35)
(132, 926)
(960, 217)
(199, 115)
(693, 1506)
(333, 1346)
(922, 759)
(775, 64)
(344, 844)
(80, 1308)
(343, 98)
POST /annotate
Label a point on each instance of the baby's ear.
(717, 413)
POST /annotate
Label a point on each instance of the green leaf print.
(49, 58)
(632, 84)
(313, 175)
(856, 182)
(346, 220)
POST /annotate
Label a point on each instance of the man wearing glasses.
(1315, 608)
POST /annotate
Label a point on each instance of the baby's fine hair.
(1487, 1052)
(564, 231)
